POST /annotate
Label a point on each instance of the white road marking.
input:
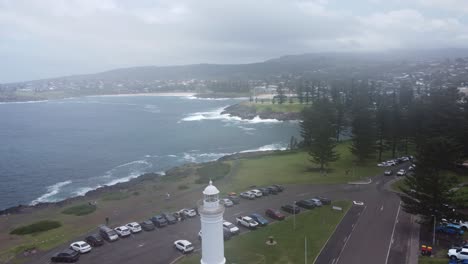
(303, 194)
(140, 245)
(393, 232)
(352, 230)
(381, 208)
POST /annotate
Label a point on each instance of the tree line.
(431, 125)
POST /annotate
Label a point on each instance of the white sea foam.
(51, 191)
(152, 109)
(26, 102)
(216, 114)
(84, 190)
(172, 156)
(269, 147)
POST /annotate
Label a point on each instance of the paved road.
(363, 236)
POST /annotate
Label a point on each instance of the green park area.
(316, 226)
(268, 106)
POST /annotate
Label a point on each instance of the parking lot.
(377, 219)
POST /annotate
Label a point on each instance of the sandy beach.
(146, 94)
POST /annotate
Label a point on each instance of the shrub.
(82, 209)
(183, 187)
(213, 171)
(36, 227)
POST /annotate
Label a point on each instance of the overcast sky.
(49, 38)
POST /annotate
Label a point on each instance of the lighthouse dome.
(211, 189)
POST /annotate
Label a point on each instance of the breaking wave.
(217, 114)
(51, 191)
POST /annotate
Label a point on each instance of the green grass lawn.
(397, 185)
(295, 168)
(269, 107)
(81, 209)
(317, 225)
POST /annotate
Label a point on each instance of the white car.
(227, 202)
(358, 203)
(246, 221)
(80, 246)
(458, 253)
(257, 193)
(401, 172)
(231, 227)
(188, 212)
(382, 164)
(134, 227)
(183, 246)
(248, 195)
(123, 231)
(391, 163)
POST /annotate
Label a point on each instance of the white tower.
(211, 216)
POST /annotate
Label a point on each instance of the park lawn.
(317, 225)
(282, 108)
(295, 168)
(398, 184)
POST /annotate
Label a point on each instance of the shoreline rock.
(249, 112)
(150, 176)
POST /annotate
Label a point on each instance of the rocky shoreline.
(250, 112)
(95, 194)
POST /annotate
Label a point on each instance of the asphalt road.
(364, 235)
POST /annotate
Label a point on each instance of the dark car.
(234, 198)
(308, 204)
(272, 190)
(265, 191)
(159, 220)
(147, 225)
(279, 187)
(275, 214)
(291, 209)
(324, 200)
(388, 172)
(68, 255)
(95, 240)
(259, 219)
(169, 218)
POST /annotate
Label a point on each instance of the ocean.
(53, 150)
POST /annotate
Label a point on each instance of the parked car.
(305, 204)
(68, 255)
(451, 229)
(265, 191)
(388, 173)
(259, 219)
(169, 218)
(257, 193)
(324, 200)
(458, 254)
(80, 246)
(227, 202)
(123, 231)
(401, 172)
(279, 187)
(247, 195)
(188, 212)
(246, 221)
(234, 198)
(272, 190)
(231, 227)
(412, 167)
(159, 221)
(134, 227)
(316, 201)
(95, 240)
(183, 246)
(147, 225)
(275, 214)
(291, 209)
(108, 233)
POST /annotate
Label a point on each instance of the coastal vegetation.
(81, 209)
(316, 225)
(37, 227)
(212, 171)
(112, 196)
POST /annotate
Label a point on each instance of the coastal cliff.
(250, 111)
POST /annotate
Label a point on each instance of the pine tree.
(318, 129)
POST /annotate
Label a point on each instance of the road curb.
(336, 227)
(361, 183)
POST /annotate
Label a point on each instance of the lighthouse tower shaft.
(211, 217)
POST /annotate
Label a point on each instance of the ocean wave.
(206, 99)
(26, 102)
(51, 191)
(152, 108)
(217, 114)
(269, 147)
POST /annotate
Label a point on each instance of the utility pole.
(433, 232)
(305, 250)
(294, 215)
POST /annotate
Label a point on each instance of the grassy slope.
(269, 107)
(428, 260)
(317, 225)
(295, 167)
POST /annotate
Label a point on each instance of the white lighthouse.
(211, 217)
